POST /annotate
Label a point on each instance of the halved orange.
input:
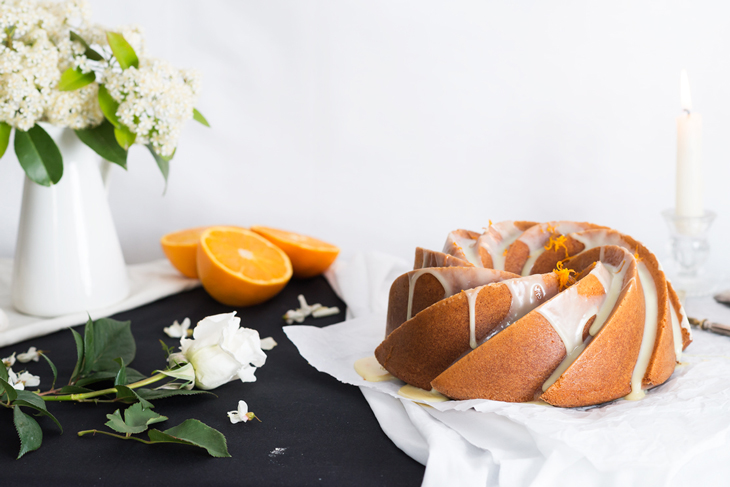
(240, 268)
(309, 256)
(181, 249)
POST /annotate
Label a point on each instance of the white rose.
(221, 351)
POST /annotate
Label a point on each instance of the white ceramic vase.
(67, 257)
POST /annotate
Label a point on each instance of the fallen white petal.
(9, 361)
(240, 415)
(31, 354)
(177, 330)
(323, 312)
(268, 343)
(29, 380)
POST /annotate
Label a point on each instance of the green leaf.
(162, 163)
(73, 79)
(28, 430)
(3, 371)
(5, 130)
(152, 394)
(53, 369)
(122, 50)
(79, 354)
(89, 52)
(40, 408)
(121, 378)
(105, 340)
(198, 117)
(137, 415)
(74, 390)
(195, 433)
(116, 422)
(9, 390)
(108, 375)
(102, 140)
(94, 377)
(124, 136)
(136, 419)
(31, 398)
(127, 395)
(109, 106)
(39, 156)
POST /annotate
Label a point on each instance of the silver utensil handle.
(708, 325)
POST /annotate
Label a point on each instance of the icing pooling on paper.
(370, 369)
(411, 392)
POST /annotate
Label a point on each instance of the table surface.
(325, 430)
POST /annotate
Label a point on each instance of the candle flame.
(685, 95)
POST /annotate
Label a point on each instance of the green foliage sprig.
(104, 353)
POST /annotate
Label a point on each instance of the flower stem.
(83, 396)
(123, 437)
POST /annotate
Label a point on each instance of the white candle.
(689, 156)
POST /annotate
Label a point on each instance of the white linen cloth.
(147, 282)
(677, 435)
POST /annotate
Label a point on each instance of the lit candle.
(689, 156)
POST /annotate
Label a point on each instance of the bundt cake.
(574, 314)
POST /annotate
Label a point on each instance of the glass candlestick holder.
(690, 249)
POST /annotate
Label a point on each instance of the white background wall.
(385, 124)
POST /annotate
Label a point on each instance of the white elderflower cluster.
(155, 101)
(37, 46)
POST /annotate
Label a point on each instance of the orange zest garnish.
(557, 244)
(504, 254)
(636, 255)
(549, 229)
(564, 276)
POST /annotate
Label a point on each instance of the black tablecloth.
(324, 430)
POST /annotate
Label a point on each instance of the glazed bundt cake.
(574, 314)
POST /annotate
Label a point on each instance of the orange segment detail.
(181, 248)
(309, 256)
(240, 268)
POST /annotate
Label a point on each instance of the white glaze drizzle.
(567, 362)
(412, 286)
(527, 294)
(676, 332)
(569, 314)
(594, 238)
(650, 326)
(497, 239)
(613, 287)
(599, 238)
(531, 260)
(468, 247)
(471, 299)
(613, 290)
